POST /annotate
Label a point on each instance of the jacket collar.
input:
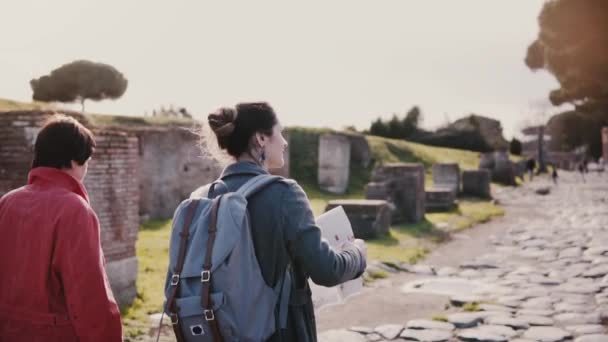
(243, 168)
(58, 178)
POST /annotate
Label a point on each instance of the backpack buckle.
(174, 319)
(205, 276)
(209, 316)
(174, 279)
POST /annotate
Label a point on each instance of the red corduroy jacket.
(53, 284)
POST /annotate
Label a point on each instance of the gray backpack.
(214, 289)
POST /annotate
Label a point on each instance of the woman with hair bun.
(282, 222)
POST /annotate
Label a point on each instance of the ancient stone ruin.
(334, 163)
(369, 218)
(440, 199)
(360, 152)
(402, 185)
(501, 167)
(172, 165)
(476, 183)
(447, 175)
(134, 170)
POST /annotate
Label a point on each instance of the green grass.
(126, 121)
(405, 242)
(100, 119)
(408, 242)
(471, 307)
(400, 151)
(153, 255)
(304, 143)
(8, 105)
(440, 318)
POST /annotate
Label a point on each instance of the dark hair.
(234, 127)
(61, 140)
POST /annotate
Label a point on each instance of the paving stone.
(501, 330)
(592, 338)
(426, 335)
(511, 301)
(572, 308)
(470, 274)
(461, 300)
(573, 298)
(374, 337)
(447, 271)
(539, 303)
(536, 320)
(464, 320)
(534, 243)
(492, 307)
(422, 269)
(478, 265)
(535, 292)
(572, 252)
(543, 280)
(477, 335)
(512, 322)
(361, 330)
(546, 334)
(576, 318)
(532, 312)
(597, 251)
(579, 288)
(525, 270)
(389, 331)
(586, 329)
(393, 266)
(340, 336)
(429, 324)
(596, 272)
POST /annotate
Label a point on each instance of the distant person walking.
(581, 170)
(554, 175)
(53, 284)
(530, 166)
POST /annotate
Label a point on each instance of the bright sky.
(319, 63)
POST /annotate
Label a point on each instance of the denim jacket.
(284, 229)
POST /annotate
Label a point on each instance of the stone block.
(403, 186)
(502, 169)
(360, 152)
(447, 175)
(172, 165)
(440, 199)
(334, 163)
(369, 218)
(122, 275)
(476, 183)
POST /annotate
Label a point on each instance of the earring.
(263, 156)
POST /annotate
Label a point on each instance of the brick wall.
(112, 182)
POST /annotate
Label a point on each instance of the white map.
(336, 229)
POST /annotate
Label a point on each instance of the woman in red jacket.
(53, 285)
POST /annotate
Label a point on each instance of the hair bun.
(222, 121)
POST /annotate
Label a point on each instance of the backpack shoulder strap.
(256, 184)
(175, 277)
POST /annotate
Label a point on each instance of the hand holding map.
(336, 229)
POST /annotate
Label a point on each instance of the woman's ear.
(260, 139)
